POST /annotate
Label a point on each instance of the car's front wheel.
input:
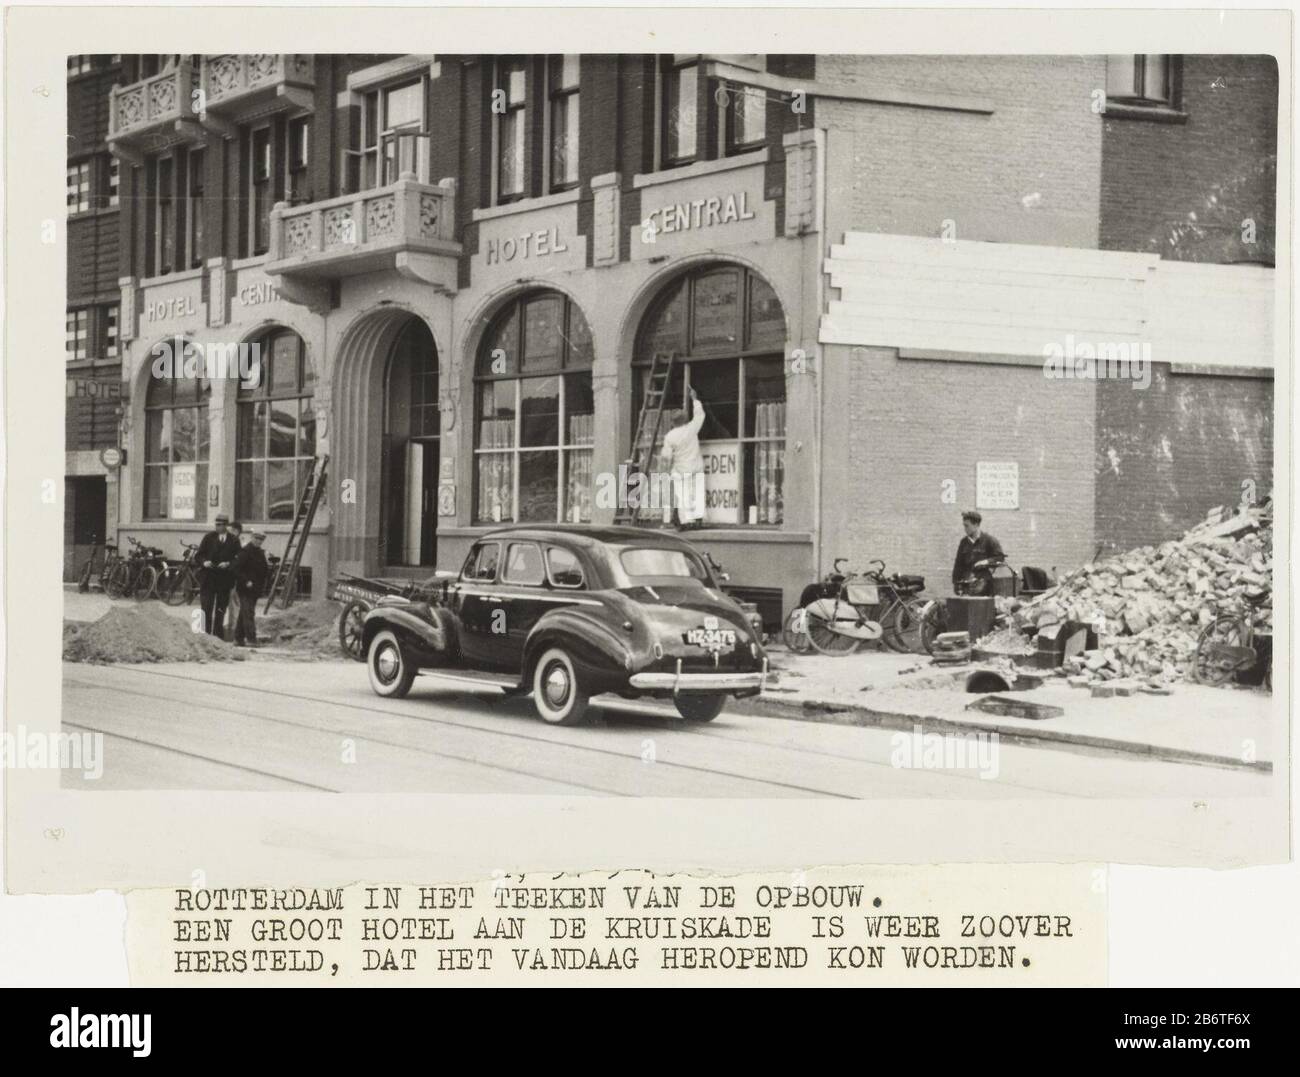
(557, 695)
(699, 708)
(391, 670)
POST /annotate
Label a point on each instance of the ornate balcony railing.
(233, 85)
(155, 113)
(407, 226)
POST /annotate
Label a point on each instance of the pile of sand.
(308, 629)
(142, 633)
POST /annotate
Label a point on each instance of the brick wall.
(1183, 189)
(1168, 454)
(896, 429)
(1027, 172)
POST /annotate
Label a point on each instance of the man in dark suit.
(976, 545)
(216, 558)
(251, 572)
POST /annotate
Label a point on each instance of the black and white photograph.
(801, 425)
(562, 456)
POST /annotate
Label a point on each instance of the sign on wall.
(184, 483)
(721, 481)
(997, 485)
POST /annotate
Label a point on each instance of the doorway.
(412, 424)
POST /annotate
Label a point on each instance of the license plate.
(712, 639)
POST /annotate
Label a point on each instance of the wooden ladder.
(284, 581)
(648, 421)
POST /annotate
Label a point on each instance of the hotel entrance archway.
(411, 424)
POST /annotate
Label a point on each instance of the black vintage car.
(568, 612)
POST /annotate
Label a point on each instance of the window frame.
(373, 151)
(195, 181)
(81, 186)
(541, 564)
(747, 353)
(736, 93)
(202, 448)
(581, 585)
(565, 96)
(302, 394)
(501, 68)
(667, 71)
(1137, 94)
(563, 368)
(255, 179)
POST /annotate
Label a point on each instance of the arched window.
(726, 331)
(275, 439)
(534, 414)
(176, 448)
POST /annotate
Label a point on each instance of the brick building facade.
(458, 270)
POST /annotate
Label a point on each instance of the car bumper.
(748, 683)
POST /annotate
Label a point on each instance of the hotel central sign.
(682, 215)
(539, 244)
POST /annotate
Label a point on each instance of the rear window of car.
(656, 561)
(564, 567)
(524, 564)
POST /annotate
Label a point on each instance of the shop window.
(562, 80)
(535, 411)
(176, 448)
(1140, 79)
(726, 330)
(79, 186)
(394, 135)
(275, 435)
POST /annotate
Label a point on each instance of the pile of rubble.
(1148, 606)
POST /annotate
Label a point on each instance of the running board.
(478, 679)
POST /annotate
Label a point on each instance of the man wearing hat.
(251, 571)
(216, 558)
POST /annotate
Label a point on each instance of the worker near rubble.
(251, 572)
(684, 463)
(975, 546)
(216, 559)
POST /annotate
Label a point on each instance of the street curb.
(839, 713)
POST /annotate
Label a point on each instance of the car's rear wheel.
(557, 694)
(391, 670)
(696, 708)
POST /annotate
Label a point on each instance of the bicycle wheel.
(145, 583)
(793, 634)
(171, 586)
(1218, 650)
(902, 629)
(824, 639)
(118, 580)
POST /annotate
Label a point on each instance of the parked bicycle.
(179, 581)
(98, 567)
(136, 574)
(849, 608)
(1226, 646)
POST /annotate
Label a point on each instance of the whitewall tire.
(557, 695)
(391, 669)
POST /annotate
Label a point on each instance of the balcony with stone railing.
(407, 227)
(239, 88)
(155, 114)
